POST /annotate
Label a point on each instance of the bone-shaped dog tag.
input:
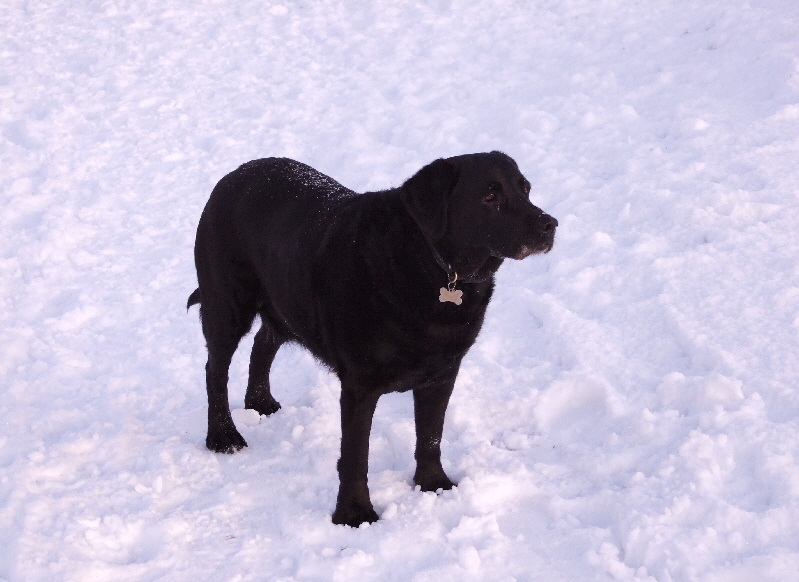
(453, 296)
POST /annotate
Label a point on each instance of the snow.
(629, 411)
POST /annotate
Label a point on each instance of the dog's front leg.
(353, 506)
(429, 407)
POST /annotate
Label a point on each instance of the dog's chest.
(395, 342)
(451, 335)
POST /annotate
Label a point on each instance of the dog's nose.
(546, 223)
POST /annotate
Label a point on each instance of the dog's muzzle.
(545, 226)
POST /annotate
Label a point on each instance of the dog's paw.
(435, 485)
(354, 515)
(227, 442)
(353, 506)
(432, 478)
(265, 406)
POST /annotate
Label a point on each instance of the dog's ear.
(426, 196)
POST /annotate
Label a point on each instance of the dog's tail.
(194, 298)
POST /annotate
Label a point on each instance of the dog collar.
(449, 293)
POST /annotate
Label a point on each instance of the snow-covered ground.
(630, 409)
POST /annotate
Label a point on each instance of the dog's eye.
(493, 188)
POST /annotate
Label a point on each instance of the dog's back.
(254, 237)
(269, 205)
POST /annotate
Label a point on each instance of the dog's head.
(476, 209)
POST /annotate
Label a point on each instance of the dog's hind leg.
(259, 394)
(223, 329)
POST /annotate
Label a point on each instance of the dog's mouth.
(527, 250)
(487, 270)
(541, 238)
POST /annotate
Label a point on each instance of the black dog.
(388, 289)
